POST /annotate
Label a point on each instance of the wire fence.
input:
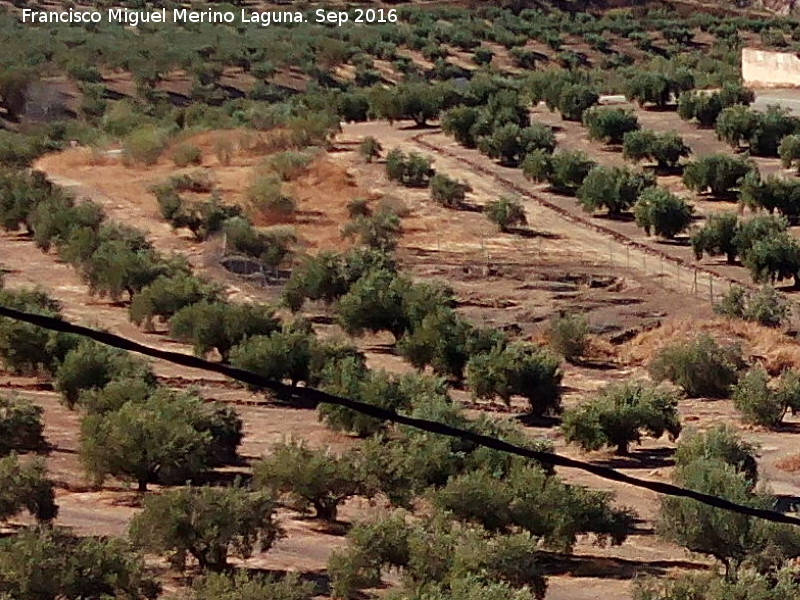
(665, 270)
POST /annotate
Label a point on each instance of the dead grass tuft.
(769, 347)
(790, 464)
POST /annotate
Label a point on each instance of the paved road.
(787, 98)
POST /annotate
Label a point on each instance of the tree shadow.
(597, 365)
(681, 241)
(532, 233)
(546, 421)
(786, 503)
(610, 567)
(469, 207)
(624, 217)
(645, 458)
(418, 127)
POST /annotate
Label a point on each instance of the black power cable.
(313, 395)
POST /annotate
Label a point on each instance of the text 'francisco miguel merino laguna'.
(133, 18)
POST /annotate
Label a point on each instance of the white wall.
(761, 68)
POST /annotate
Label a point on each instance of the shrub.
(789, 151)
(310, 477)
(612, 188)
(764, 307)
(609, 125)
(758, 403)
(506, 213)
(240, 586)
(722, 443)
(662, 213)
(48, 563)
(701, 367)
(413, 170)
(448, 192)
(145, 145)
(207, 523)
(268, 246)
(266, 197)
(567, 335)
(369, 149)
(517, 369)
(618, 415)
(379, 231)
(187, 154)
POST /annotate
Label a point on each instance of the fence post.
(711, 288)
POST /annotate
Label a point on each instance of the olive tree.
(506, 213)
(220, 325)
(21, 427)
(659, 211)
(167, 295)
(557, 512)
(565, 171)
(517, 369)
(774, 259)
(732, 538)
(25, 348)
(156, 440)
(448, 192)
(24, 485)
(278, 356)
(54, 564)
(92, 366)
(612, 188)
(717, 237)
(206, 523)
(620, 414)
(315, 478)
(789, 151)
(719, 173)
(609, 125)
(218, 586)
(666, 149)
